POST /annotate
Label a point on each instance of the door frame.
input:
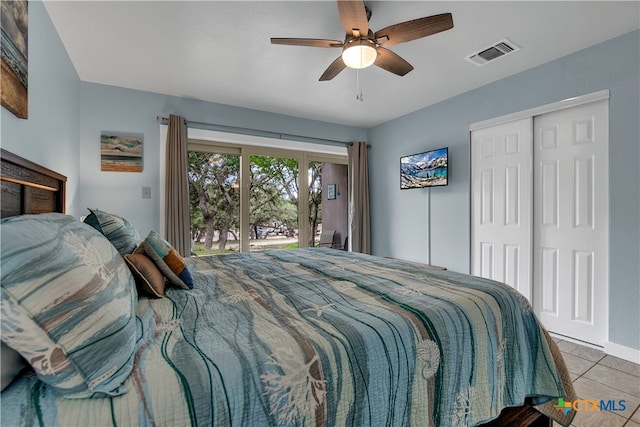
(537, 111)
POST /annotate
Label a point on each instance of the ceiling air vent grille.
(493, 52)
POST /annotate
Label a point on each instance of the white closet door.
(501, 179)
(571, 220)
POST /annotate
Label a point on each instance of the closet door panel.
(501, 206)
(571, 220)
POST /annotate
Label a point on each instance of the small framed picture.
(331, 192)
(120, 153)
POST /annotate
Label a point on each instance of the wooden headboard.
(28, 188)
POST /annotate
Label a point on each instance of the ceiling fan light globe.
(359, 55)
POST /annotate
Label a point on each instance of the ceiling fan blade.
(353, 16)
(387, 60)
(414, 29)
(333, 69)
(307, 42)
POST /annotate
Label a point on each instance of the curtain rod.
(255, 132)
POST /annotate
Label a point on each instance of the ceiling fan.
(362, 47)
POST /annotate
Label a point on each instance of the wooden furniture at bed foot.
(523, 416)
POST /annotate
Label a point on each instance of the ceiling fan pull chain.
(359, 95)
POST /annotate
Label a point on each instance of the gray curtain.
(177, 187)
(359, 218)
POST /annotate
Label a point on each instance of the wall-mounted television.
(423, 170)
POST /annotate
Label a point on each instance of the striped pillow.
(118, 230)
(68, 304)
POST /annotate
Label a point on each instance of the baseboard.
(576, 341)
(626, 353)
(613, 349)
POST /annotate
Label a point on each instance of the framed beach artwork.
(120, 153)
(14, 57)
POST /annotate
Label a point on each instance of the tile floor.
(598, 376)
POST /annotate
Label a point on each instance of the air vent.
(493, 52)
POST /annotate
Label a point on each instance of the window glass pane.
(328, 200)
(315, 202)
(273, 203)
(214, 194)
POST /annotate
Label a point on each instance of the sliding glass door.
(247, 198)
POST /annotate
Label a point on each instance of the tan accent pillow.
(149, 279)
(167, 259)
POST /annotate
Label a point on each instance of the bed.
(288, 337)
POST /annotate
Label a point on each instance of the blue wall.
(50, 135)
(398, 217)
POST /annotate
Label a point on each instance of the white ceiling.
(220, 51)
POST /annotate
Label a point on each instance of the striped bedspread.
(320, 337)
